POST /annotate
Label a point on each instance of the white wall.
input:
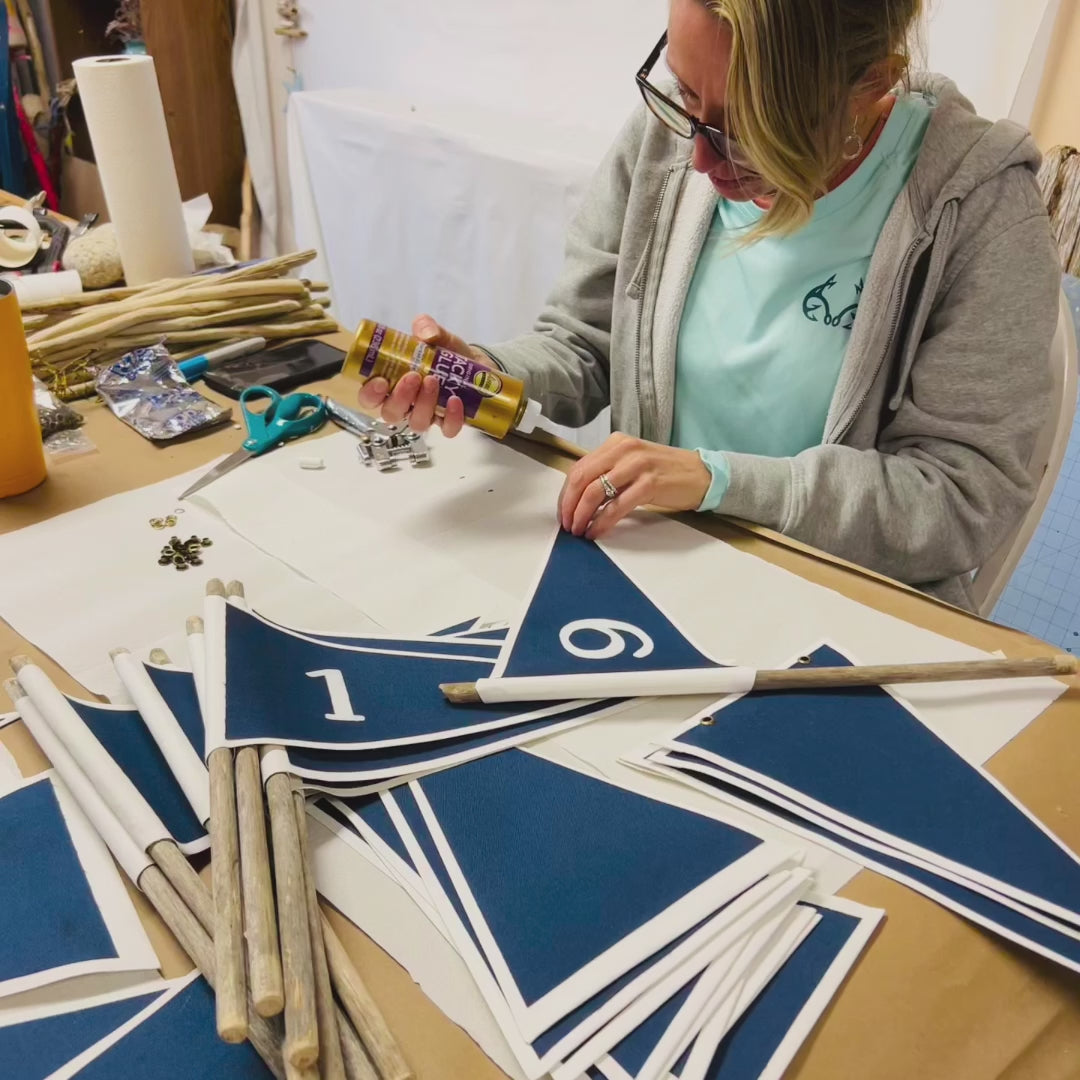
(983, 46)
(558, 58)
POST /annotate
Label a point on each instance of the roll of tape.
(31, 288)
(18, 246)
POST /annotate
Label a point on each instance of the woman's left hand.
(643, 473)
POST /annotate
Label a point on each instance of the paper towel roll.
(122, 103)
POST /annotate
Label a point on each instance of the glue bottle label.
(493, 401)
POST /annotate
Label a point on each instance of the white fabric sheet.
(455, 210)
(458, 211)
(115, 593)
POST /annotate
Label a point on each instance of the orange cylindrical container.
(22, 457)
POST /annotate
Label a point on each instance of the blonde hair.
(795, 65)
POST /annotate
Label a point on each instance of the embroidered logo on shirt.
(816, 306)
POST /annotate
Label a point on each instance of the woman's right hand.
(414, 397)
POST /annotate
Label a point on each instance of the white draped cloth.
(458, 212)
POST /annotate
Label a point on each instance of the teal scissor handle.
(284, 418)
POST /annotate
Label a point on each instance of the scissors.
(283, 419)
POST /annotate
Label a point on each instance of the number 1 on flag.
(339, 695)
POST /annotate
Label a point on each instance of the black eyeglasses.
(679, 120)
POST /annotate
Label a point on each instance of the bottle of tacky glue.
(494, 401)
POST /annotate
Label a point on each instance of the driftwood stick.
(301, 1019)
(737, 680)
(174, 865)
(228, 914)
(331, 1063)
(196, 943)
(143, 307)
(74, 301)
(229, 314)
(362, 1010)
(260, 925)
(225, 856)
(358, 1065)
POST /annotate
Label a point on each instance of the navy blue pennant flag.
(470, 648)
(767, 1036)
(127, 740)
(55, 928)
(548, 1049)
(1043, 935)
(284, 688)
(37, 1048)
(563, 871)
(348, 770)
(587, 615)
(177, 687)
(176, 1040)
(372, 810)
(632, 1052)
(860, 758)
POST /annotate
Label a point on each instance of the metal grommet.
(805, 660)
(708, 721)
(157, 523)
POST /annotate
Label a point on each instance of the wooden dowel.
(733, 680)
(228, 915)
(358, 1065)
(260, 924)
(174, 865)
(331, 1063)
(887, 674)
(362, 1010)
(197, 944)
(225, 854)
(301, 1020)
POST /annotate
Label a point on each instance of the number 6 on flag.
(614, 630)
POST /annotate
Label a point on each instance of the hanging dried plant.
(127, 22)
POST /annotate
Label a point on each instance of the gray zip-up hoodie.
(923, 467)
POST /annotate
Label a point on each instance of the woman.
(818, 294)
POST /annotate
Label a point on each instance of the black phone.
(284, 367)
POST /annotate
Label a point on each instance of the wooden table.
(932, 999)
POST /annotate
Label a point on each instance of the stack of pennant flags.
(857, 771)
(609, 933)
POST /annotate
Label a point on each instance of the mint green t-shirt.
(765, 326)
